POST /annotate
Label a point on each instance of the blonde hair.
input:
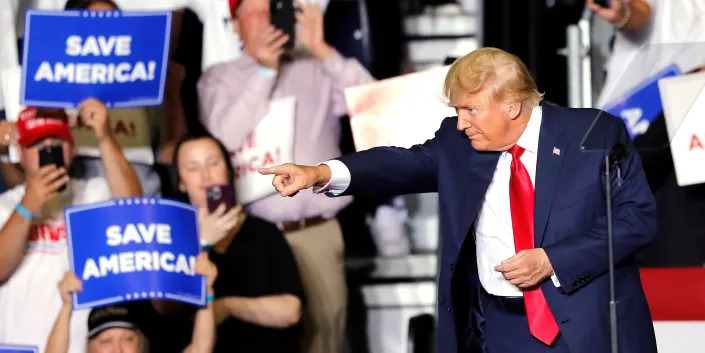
(507, 77)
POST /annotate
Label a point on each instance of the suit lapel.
(477, 171)
(552, 149)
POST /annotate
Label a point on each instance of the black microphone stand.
(612, 160)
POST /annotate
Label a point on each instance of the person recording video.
(33, 236)
(259, 298)
(235, 96)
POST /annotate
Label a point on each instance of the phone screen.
(53, 154)
(603, 3)
(282, 15)
(220, 194)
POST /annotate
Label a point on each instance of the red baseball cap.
(35, 124)
(233, 4)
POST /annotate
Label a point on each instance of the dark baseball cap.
(103, 318)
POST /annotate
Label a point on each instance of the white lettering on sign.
(138, 233)
(99, 46)
(138, 261)
(633, 117)
(92, 73)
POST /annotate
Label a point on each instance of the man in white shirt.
(33, 251)
(524, 256)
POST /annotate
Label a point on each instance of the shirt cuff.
(339, 179)
(555, 281)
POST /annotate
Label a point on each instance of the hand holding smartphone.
(53, 154)
(282, 17)
(220, 194)
(214, 227)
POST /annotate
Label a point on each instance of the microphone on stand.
(613, 160)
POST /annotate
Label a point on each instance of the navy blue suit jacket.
(570, 224)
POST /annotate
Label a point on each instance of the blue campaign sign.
(117, 57)
(640, 106)
(134, 249)
(14, 348)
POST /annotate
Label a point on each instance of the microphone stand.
(612, 160)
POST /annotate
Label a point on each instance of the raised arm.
(59, 338)
(624, 15)
(12, 174)
(122, 179)
(343, 72)
(41, 189)
(203, 336)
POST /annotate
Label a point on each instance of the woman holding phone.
(258, 290)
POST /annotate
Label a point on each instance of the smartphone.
(53, 154)
(219, 194)
(282, 15)
(603, 3)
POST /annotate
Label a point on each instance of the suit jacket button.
(448, 308)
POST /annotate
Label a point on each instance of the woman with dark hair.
(258, 290)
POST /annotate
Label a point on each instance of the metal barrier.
(578, 53)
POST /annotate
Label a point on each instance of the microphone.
(616, 154)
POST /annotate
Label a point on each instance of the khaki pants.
(319, 255)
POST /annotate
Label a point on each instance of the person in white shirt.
(33, 248)
(650, 36)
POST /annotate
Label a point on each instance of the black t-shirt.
(258, 262)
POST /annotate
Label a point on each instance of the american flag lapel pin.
(556, 151)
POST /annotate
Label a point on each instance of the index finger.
(276, 170)
(507, 265)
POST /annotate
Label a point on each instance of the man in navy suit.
(524, 249)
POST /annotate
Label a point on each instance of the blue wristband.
(23, 212)
(210, 298)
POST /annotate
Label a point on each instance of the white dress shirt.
(494, 235)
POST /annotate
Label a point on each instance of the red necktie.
(542, 325)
